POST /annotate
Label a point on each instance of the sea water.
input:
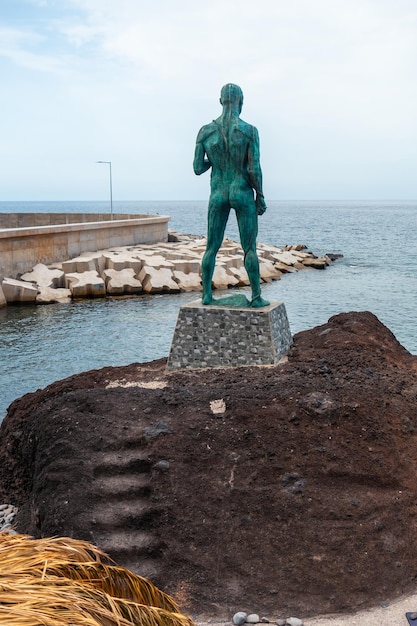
(378, 240)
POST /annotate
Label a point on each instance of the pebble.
(162, 466)
(7, 516)
(241, 618)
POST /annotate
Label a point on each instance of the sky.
(331, 86)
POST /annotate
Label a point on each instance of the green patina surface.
(230, 148)
(236, 300)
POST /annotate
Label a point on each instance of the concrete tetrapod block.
(156, 261)
(122, 281)
(187, 266)
(124, 261)
(302, 255)
(107, 255)
(178, 252)
(230, 248)
(234, 260)
(85, 284)
(227, 261)
(266, 249)
(48, 295)
(3, 300)
(283, 267)
(79, 265)
(241, 274)
(188, 282)
(197, 251)
(87, 262)
(318, 264)
(190, 255)
(157, 280)
(268, 271)
(43, 276)
(98, 258)
(19, 291)
(285, 257)
(222, 279)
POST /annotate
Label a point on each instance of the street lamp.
(111, 190)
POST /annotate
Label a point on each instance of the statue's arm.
(255, 172)
(201, 163)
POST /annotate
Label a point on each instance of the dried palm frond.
(116, 581)
(34, 601)
(61, 548)
(52, 582)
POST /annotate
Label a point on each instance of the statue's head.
(231, 94)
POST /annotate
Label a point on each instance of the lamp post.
(111, 189)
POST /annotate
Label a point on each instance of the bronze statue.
(230, 147)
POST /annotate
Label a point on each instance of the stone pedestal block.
(221, 336)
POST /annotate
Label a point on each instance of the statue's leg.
(247, 219)
(218, 214)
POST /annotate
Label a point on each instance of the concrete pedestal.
(220, 336)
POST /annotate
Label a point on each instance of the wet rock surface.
(299, 497)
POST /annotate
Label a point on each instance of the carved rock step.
(122, 486)
(132, 445)
(123, 516)
(147, 567)
(116, 462)
(125, 545)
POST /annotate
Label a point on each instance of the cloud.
(344, 59)
(330, 85)
(18, 47)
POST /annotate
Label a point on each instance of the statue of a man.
(230, 147)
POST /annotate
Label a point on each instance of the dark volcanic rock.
(301, 496)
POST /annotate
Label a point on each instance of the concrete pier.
(26, 240)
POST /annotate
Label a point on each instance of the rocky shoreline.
(296, 499)
(169, 267)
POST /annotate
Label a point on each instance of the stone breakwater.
(167, 267)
